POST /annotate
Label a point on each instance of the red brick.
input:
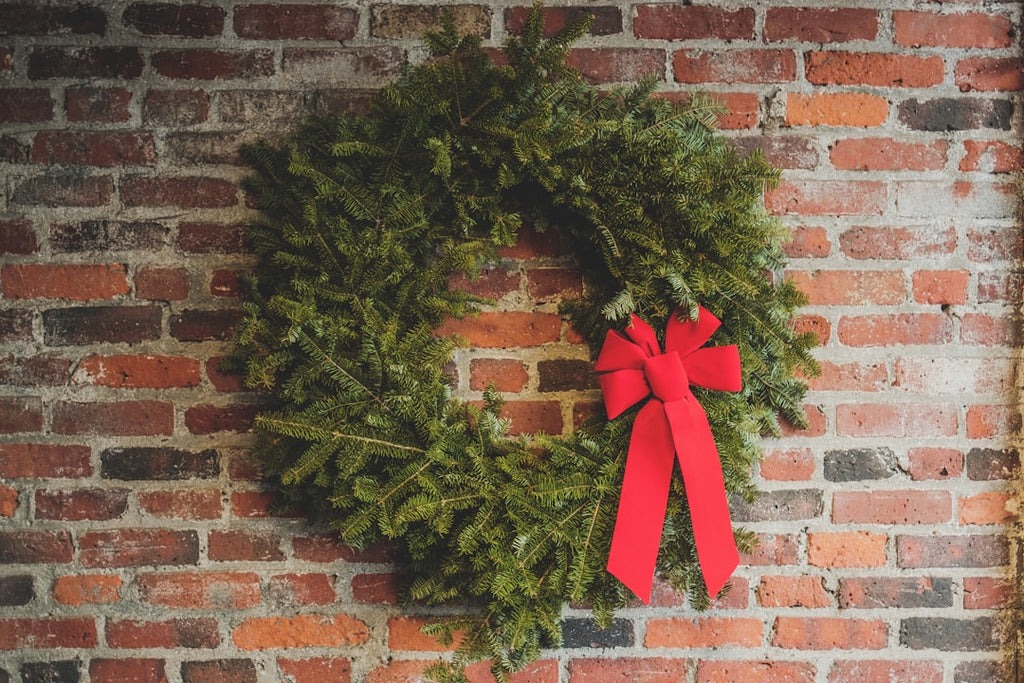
(210, 324)
(858, 110)
(91, 589)
(125, 670)
(795, 464)
(63, 190)
(8, 500)
(892, 507)
(940, 286)
(81, 504)
(879, 419)
(173, 19)
(184, 192)
(543, 671)
(504, 374)
(329, 548)
(828, 198)
(704, 632)
(94, 148)
(816, 325)
(846, 549)
(85, 62)
(989, 507)
(808, 242)
(17, 237)
(505, 329)
(605, 20)
(986, 245)
(404, 634)
(895, 330)
(793, 591)
(302, 589)
(225, 283)
(734, 66)
(772, 549)
(931, 29)
(873, 68)
(383, 589)
(825, 633)
(223, 381)
(851, 377)
(743, 111)
(290, 22)
(211, 238)
(986, 422)
(951, 551)
(532, 417)
(133, 372)
(138, 548)
(304, 630)
(176, 108)
(629, 670)
(676, 22)
(897, 243)
(221, 590)
(74, 282)
(545, 284)
(617, 65)
(20, 414)
(258, 504)
(44, 461)
(207, 65)
(986, 592)
(35, 371)
(250, 546)
(991, 156)
(35, 547)
(161, 284)
(25, 105)
(884, 154)
(170, 634)
(813, 25)
(316, 670)
(193, 504)
(44, 634)
(817, 422)
(399, 671)
(208, 419)
(935, 463)
(850, 287)
(124, 418)
(856, 671)
(88, 104)
(26, 18)
(492, 283)
(990, 74)
(710, 671)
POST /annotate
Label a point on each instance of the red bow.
(671, 424)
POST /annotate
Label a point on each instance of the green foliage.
(363, 219)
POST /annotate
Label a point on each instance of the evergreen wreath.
(363, 218)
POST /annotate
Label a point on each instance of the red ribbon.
(671, 425)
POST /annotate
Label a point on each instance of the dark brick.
(93, 148)
(263, 107)
(784, 151)
(566, 375)
(947, 113)
(138, 548)
(64, 671)
(25, 105)
(987, 464)
(35, 547)
(156, 463)
(17, 237)
(207, 65)
(205, 148)
(113, 418)
(606, 20)
(97, 324)
(173, 19)
(982, 671)
(205, 325)
(219, 671)
(64, 190)
(39, 19)
(16, 590)
(949, 635)
(190, 192)
(85, 62)
(15, 325)
(21, 414)
(857, 464)
(884, 591)
(97, 105)
(770, 506)
(292, 22)
(176, 107)
(34, 371)
(107, 235)
(13, 151)
(585, 633)
(81, 504)
(212, 238)
(207, 419)
(952, 551)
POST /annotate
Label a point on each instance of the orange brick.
(990, 507)
(828, 198)
(509, 329)
(184, 504)
(793, 591)
(885, 154)
(44, 634)
(972, 29)
(985, 422)
(895, 330)
(846, 549)
(988, 74)
(713, 671)
(935, 463)
(504, 374)
(629, 670)
(224, 590)
(133, 372)
(794, 464)
(986, 592)
(304, 630)
(825, 633)
(892, 507)
(404, 634)
(8, 500)
(543, 671)
(75, 282)
(704, 632)
(83, 589)
(855, 671)
(880, 419)
(857, 110)
(850, 287)
(316, 670)
(941, 286)
(302, 589)
(382, 589)
(808, 242)
(991, 156)
(873, 68)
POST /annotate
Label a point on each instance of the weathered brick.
(794, 464)
(89, 104)
(793, 591)
(209, 65)
(20, 18)
(984, 421)
(934, 463)
(44, 461)
(34, 371)
(943, 114)
(606, 20)
(892, 507)
(219, 671)
(990, 330)
(184, 192)
(84, 62)
(138, 548)
(880, 419)
(895, 330)
(158, 463)
(991, 156)
(883, 154)
(304, 630)
(411, 21)
(940, 286)
(133, 372)
(786, 504)
(982, 671)
(63, 190)
(505, 330)
(237, 545)
(223, 379)
(989, 244)
(384, 589)
(895, 592)
(857, 464)
(161, 284)
(826, 633)
(170, 19)
(678, 22)
(968, 375)
(865, 242)
(205, 324)
(617, 65)
(857, 110)
(584, 633)
(629, 670)
(87, 589)
(932, 29)
(97, 324)
(74, 282)
(35, 547)
(289, 590)
(12, 150)
(734, 66)
(59, 671)
(94, 148)
(704, 632)
(172, 633)
(355, 66)
(850, 287)
(185, 504)
(81, 504)
(828, 198)
(872, 68)
(211, 238)
(715, 671)
(45, 634)
(846, 549)
(15, 325)
(504, 374)
(825, 25)
(16, 590)
(20, 414)
(546, 284)
(221, 590)
(989, 74)
(851, 671)
(125, 669)
(175, 108)
(951, 551)
(114, 418)
(986, 592)
(851, 377)
(949, 635)
(566, 375)
(25, 105)
(207, 419)
(108, 235)
(290, 22)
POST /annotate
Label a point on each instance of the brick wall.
(136, 543)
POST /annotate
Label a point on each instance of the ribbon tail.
(641, 514)
(705, 491)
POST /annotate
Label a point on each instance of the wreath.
(364, 218)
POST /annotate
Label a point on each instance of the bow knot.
(633, 368)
